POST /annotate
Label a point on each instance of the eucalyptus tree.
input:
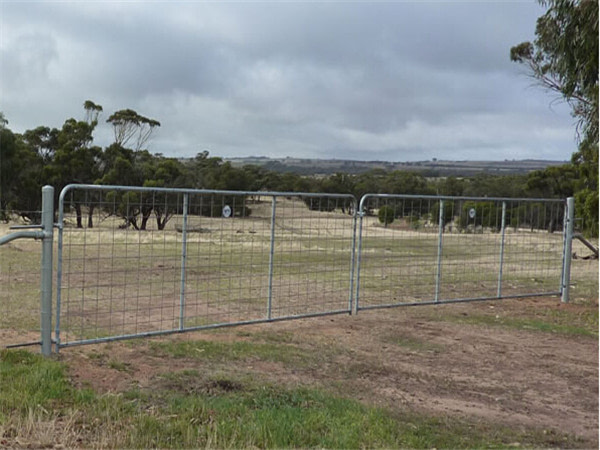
(44, 141)
(563, 59)
(92, 111)
(129, 126)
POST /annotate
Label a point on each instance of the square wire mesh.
(313, 251)
(119, 270)
(418, 250)
(138, 262)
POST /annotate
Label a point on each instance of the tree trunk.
(144, 222)
(161, 221)
(91, 216)
(145, 216)
(78, 211)
(133, 222)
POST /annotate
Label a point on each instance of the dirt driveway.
(527, 364)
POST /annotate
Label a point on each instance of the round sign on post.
(472, 213)
(226, 211)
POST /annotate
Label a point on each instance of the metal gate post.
(46, 269)
(568, 245)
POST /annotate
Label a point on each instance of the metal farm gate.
(148, 261)
(417, 250)
(135, 261)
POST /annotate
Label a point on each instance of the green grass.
(412, 343)
(186, 409)
(552, 323)
(234, 351)
(29, 380)
(249, 415)
(274, 337)
(119, 365)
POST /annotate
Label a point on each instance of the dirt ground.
(443, 360)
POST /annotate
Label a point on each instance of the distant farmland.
(429, 168)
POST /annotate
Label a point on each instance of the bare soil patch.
(423, 359)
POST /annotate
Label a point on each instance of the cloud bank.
(392, 81)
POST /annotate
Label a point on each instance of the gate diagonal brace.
(588, 244)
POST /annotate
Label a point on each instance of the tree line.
(563, 58)
(68, 155)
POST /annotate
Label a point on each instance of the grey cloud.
(26, 59)
(319, 79)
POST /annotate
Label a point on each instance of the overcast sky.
(398, 81)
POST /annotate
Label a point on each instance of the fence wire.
(137, 262)
(19, 283)
(417, 250)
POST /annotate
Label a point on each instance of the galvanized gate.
(136, 261)
(417, 250)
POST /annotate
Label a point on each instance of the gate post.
(46, 269)
(568, 245)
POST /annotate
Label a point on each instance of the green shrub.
(386, 215)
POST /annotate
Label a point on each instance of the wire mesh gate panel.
(145, 261)
(423, 249)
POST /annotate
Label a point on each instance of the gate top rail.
(449, 197)
(108, 187)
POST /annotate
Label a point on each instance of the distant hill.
(428, 168)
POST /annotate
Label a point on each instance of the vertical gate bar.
(46, 275)
(562, 262)
(503, 229)
(271, 254)
(183, 261)
(438, 274)
(353, 252)
(568, 243)
(359, 252)
(59, 271)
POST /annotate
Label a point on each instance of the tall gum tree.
(129, 126)
(563, 58)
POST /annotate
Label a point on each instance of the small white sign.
(226, 211)
(472, 213)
